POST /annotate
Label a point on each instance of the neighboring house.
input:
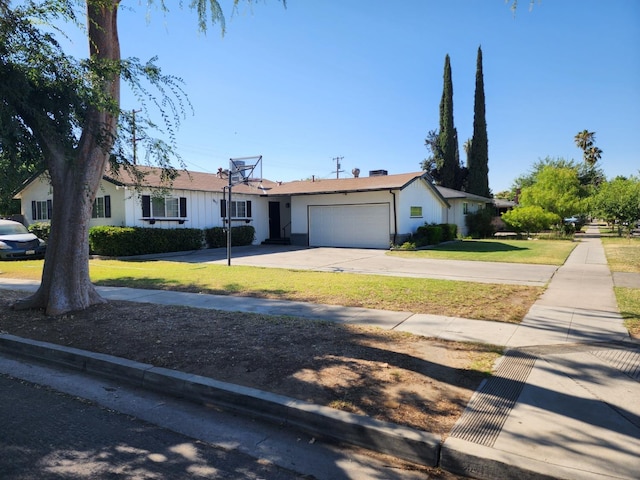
(462, 203)
(366, 212)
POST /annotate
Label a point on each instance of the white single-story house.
(365, 212)
(462, 203)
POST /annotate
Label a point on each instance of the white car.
(17, 242)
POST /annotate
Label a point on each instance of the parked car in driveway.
(17, 242)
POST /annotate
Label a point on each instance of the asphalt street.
(51, 435)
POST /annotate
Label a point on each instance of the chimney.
(378, 173)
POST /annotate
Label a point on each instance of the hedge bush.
(41, 230)
(125, 241)
(479, 224)
(428, 235)
(216, 237)
(449, 231)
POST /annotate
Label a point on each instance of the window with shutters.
(164, 207)
(41, 210)
(101, 207)
(239, 209)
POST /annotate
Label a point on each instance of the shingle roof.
(339, 185)
(186, 180)
(450, 193)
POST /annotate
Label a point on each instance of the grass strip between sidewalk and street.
(506, 303)
(623, 255)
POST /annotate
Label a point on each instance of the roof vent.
(378, 173)
(355, 172)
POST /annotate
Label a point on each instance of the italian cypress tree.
(449, 168)
(478, 155)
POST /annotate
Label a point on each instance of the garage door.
(359, 226)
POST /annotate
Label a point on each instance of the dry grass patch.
(397, 377)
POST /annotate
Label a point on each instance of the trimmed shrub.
(480, 223)
(41, 230)
(125, 241)
(449, 231)
(216, 237)
(428, 235)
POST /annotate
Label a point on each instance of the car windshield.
(12, 229)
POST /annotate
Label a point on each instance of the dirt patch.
(397, 377)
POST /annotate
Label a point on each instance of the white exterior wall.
(203, 211)
(456, 214)
(39, 190)
(418, 194)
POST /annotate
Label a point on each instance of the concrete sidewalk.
(563, 402)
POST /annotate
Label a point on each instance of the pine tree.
(449, 169)
(478, 155)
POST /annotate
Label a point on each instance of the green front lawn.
(444, 297)
(545, 252)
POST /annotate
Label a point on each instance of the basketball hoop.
(241, 171)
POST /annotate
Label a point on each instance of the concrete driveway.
(368, 261)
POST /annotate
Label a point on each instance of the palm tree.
(592, 155)
(585, 139)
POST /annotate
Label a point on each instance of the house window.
(465, 207)
(239, 209)
(416, 212)
(41, 210)
(164, 207)
(101, 207)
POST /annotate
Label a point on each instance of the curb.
(384, 437)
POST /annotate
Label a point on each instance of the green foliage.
(449, 166)
(478, 155)
(449, 231)
(125, 241)
(530, 219)
(557, 190)
(41, 230)
(216, 237)
(428, 235)
(618, 201)
(479, 224)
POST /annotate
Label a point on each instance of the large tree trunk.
(75, 177)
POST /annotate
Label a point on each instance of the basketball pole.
(243, 169)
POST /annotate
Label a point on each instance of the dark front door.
(274, 219)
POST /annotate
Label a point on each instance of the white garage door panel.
(361, 226)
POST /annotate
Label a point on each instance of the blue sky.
(362, 80)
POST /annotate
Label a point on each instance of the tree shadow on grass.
(478, 246)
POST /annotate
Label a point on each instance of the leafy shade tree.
(71, 108)
(478, 150)
(19, 160)
(618, 202)
(556, 190)
(431, 163)
(531, 219)
(449, 165)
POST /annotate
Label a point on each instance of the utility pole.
(133, 134)
(338, 160)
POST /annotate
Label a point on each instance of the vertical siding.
(418, 193)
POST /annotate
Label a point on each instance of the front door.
(274, 220)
